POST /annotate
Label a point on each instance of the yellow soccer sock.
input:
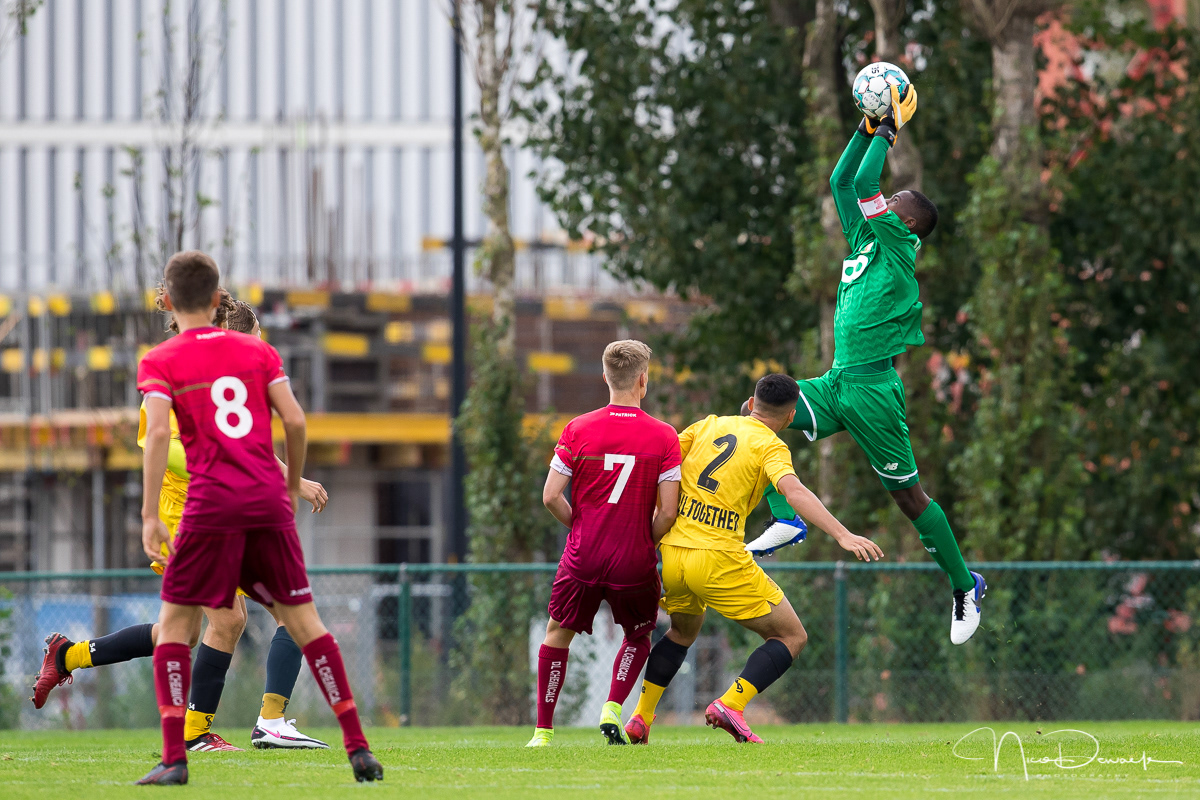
(196, 725)
(648, 700)
(273, 706)
(739, 694)
(79, 656)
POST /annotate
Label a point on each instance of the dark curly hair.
(220, 318)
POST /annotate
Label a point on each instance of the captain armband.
(873, 206)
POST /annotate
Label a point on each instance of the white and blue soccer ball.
(872, 87)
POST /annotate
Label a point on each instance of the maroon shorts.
(573, 603)
(209, 566)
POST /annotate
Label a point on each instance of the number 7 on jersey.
(610, 461)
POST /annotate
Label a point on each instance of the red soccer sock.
(627, 667)
(325, 660)
(552, 670)
(172, 675)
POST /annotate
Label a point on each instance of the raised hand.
(862, 547)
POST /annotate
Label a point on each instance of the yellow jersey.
(727, 463)
(174, 490)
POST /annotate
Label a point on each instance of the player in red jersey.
(620, 462)
(222, 386)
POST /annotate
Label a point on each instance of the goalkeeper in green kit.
(878, 316)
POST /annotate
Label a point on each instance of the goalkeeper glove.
(868, 126)
(902, 110)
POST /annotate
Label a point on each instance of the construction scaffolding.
(371, 368)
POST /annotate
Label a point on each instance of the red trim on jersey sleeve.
(273, 366)
(152, 378)
(672, 456)
(565, 449)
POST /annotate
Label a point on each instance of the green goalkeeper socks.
(778, 503)
(933, 526)
(940, 542)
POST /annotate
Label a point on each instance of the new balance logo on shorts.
(891, 466)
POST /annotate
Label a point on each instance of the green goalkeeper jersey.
(878, 313)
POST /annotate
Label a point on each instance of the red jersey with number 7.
(216, 380)
(615, 456)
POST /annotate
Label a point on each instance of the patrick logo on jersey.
(705, 514)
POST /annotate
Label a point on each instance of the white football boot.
(965, 618)
(780, 533)
(270, 734)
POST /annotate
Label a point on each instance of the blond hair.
(624, 361)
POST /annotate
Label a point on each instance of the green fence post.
(404, 624)
(841, 698)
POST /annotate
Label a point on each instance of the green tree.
(493, 679)
(1020, 476)
(677, 134)
(506, 465)
(1129, 232)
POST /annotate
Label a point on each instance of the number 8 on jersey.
(235, 407)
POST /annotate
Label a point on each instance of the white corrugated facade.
(323, 128)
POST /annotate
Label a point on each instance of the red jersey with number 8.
(216, 380)
(615, 456)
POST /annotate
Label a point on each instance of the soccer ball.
(871, 87)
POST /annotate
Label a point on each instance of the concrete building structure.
(306, 143)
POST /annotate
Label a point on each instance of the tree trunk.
(821, 71)
(1014, 81)
(498, 258)
(791, 13)
(1021, 482)
(904, 158)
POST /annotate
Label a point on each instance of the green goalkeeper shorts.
(871, 407)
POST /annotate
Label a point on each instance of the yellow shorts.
(171, 513)
(729, 581)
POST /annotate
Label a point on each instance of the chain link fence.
(455, 644)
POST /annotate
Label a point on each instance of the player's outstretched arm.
(154, 465)
(295, 433)
(310, 491)
(552, 496)
(811, 508)
(842, 180)
(668, 509)
(866, 180)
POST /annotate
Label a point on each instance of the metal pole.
(841, 624)
(99, 539)
(404, 634)
(458, 461)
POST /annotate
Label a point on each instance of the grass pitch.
(876, 761)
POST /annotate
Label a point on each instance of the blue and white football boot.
(780, 533)
(967, 610)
